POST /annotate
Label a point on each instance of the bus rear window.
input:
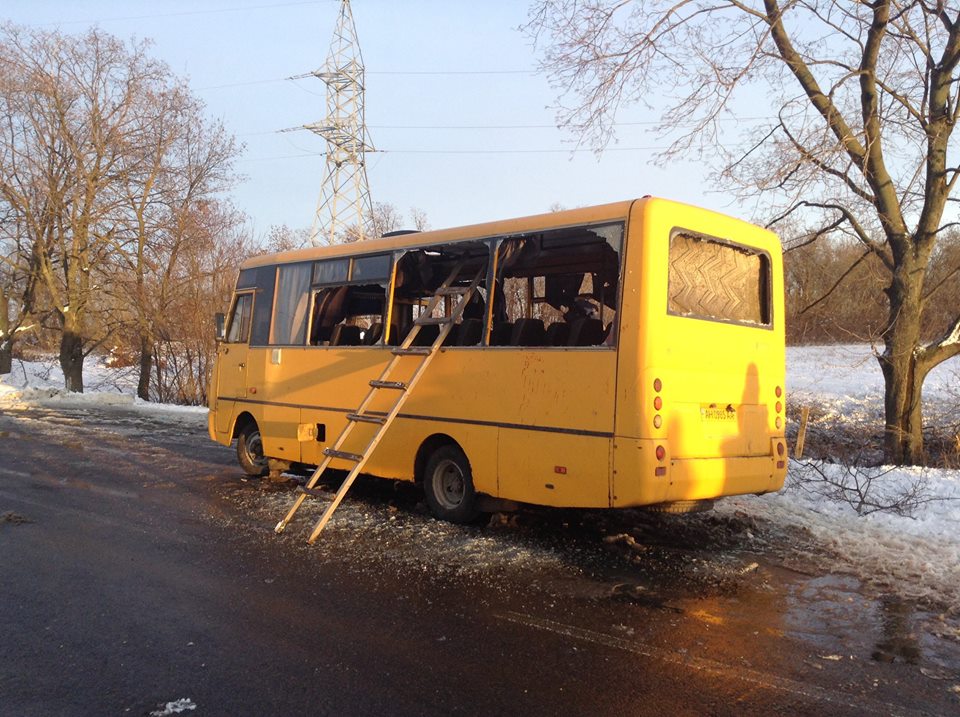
(718, 281)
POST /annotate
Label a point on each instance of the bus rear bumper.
(692, 478)
(700, 478)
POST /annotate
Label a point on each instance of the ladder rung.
(452, 290)
(364, 418)
(399, 385)
(413, 351)
(432, 320)
(313, 492)
(355, 457)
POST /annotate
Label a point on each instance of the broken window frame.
(616, 240)
(765, 295)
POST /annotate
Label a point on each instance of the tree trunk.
(146, 365)
(71, 358)
(6, 354)
(6, 335)
(902, 372)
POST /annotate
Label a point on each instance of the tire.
(448, 485)
(250, 451)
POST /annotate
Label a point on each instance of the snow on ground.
(42, 382)
(917, 554)
(846, 383)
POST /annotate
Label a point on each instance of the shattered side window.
(558, 288)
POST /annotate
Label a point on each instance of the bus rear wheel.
(448, 485)
(250, 451)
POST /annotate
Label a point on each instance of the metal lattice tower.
(344, 210)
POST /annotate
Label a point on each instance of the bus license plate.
(717, 414)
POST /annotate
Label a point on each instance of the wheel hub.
(450, 484)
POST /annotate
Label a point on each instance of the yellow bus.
(623, 355)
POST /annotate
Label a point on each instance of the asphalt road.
(138, 568)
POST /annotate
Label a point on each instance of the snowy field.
(916, 553)
(41, 382)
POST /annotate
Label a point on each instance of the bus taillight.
(661, 453)
(657, 403)
(657, 385)
(779, 392)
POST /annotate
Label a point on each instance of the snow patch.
(184, 704)
(41, 382)
(918, 555)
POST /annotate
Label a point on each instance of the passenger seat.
(586, 332)
(373, 334)
(502, 331)
(428, 334)
(471, 331)
(345, 335)
(528, 332)
(558, 333)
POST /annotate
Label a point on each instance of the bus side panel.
(569, 389)
(554, 469)
(554, 408)
(279, 432)
(472, 395)
(396, 455)
(634, 480)
(631, 393)
(278, 424)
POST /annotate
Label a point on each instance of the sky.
(460, 117)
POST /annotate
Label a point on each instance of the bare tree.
(213, 239)
(387, 218)
(17, 286)
(864, 104)
(176, 161)
(103, 152)
(281, 237)
(70, 105)
(419, 219)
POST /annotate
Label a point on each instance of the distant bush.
(835, 292)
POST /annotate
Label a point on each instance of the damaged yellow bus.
(623, 355)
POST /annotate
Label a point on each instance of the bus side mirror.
(221, 324)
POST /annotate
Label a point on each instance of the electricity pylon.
(344, 209)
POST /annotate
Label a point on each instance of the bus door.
(232, 361)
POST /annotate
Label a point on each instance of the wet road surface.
(138, 567)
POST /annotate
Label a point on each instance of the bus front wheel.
(448, 485)
(250, 451)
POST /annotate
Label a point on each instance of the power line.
(519, 151)
(188, 12)
(572, 150)
(452, 72)
(646, 123)
(413, 73)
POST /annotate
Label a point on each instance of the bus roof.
(550, 220)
